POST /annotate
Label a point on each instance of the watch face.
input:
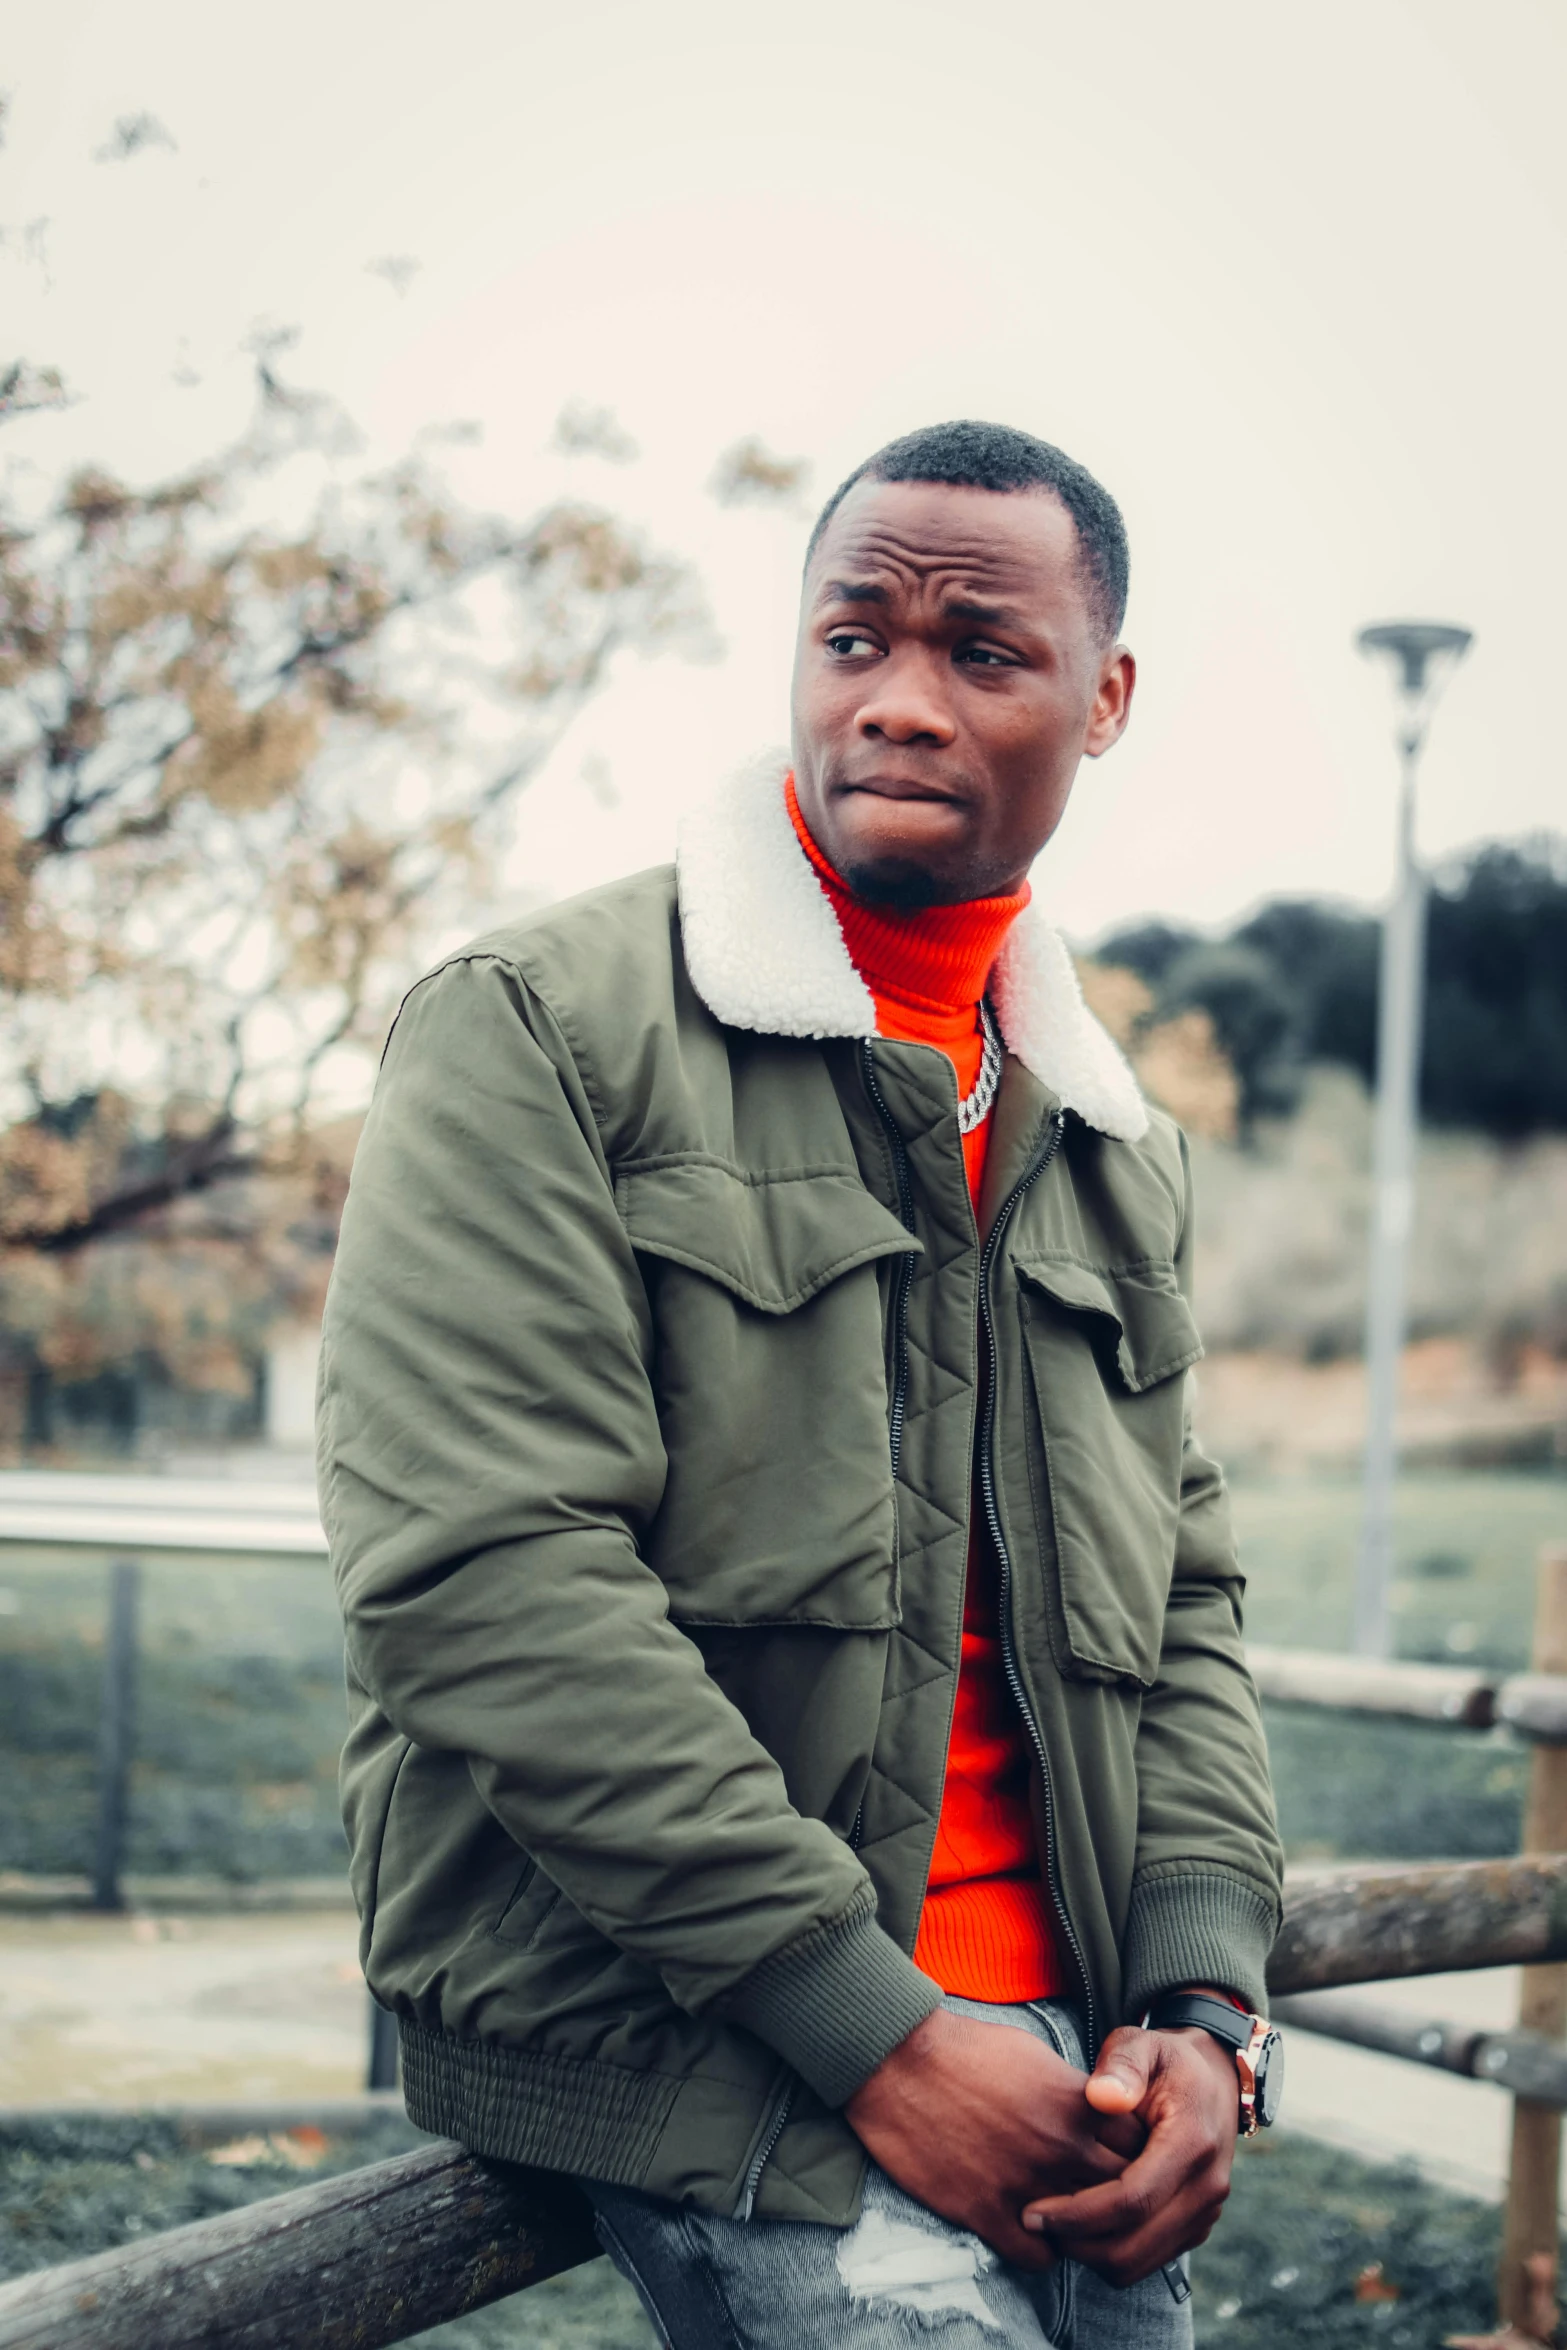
(1269, 2070)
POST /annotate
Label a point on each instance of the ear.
(1112, 701)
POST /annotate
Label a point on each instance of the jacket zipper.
(781, 2111)
(895, 1418)
(905, 1278)
(987, 1486)
(987, 1473)
(763, 2154)
(899, 1402)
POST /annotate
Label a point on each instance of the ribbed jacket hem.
(1191, 1926)
(597, 2120)
(836, 2002)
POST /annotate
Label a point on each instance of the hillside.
(1281, 1265)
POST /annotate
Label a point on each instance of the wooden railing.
(1463, 1697)
(384, 2252)
(379, 2254)
(1530, 2061)
(372, 2256)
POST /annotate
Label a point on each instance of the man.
(799, 1718)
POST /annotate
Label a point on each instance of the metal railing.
(67, 1511)
(251, 1517)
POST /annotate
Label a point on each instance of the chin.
(902, 882)
(889, 857)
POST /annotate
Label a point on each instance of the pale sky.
(1290, 281)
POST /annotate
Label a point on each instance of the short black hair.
(976, 456)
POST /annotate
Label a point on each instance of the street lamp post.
(1426, 653)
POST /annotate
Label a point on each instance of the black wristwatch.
(1251, 2039)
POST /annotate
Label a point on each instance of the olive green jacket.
(662, 1350)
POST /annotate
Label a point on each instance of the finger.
(1074, 2168)
(1157, 2177)
(1127, 2260)
(1088, 2153)
(1092, 2214)
(1123, 2133)
(1119, 2081)
(1016, 2246)
(1168, 2224)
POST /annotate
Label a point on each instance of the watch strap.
(1174, 2011)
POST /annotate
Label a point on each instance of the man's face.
(948, 678)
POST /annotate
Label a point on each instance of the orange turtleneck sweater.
(986, 1930)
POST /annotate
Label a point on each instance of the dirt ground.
(142, 2010)
(1265, 1412)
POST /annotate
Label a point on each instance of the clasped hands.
(1123, 2168)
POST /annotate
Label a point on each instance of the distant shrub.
(1296, 984)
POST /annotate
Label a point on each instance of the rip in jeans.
(894, 2263)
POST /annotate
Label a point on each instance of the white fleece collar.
(764, 951)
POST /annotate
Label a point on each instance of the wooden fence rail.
(1373, 1924)
(1464, 1697)
(379, 2254)
(1353, 1926)
(370, 2257)
(1526, 2064)
(1535, 1705)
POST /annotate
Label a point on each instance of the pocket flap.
(773, 1240)
(1146, 1322)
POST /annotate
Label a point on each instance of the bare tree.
(248, 776)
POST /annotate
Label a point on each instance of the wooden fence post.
(1527, 2282)
(116, 1733)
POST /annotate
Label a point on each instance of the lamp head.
(1412, 643)
(1426, 653)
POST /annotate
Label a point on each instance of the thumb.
(1119, 2081)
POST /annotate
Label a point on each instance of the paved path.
(164, 2010)
(1386, 2110)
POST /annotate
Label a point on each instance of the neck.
(932, 958)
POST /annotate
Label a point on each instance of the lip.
(898, 787)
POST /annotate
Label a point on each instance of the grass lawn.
(1467, 1541)
(240, 1716)
(1352, 1787)
(1316, 2252)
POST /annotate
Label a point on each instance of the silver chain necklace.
(974, 1109)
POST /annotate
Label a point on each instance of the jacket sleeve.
(490, 1457)
(1205, 1900)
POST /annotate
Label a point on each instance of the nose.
(907, 706)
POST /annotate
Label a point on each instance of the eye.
(845, 643)
(984, 657)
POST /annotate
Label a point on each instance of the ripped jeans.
(899, 2279)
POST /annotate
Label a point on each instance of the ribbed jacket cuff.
(1186, 1926)
(836, 2002)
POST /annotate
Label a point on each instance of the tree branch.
(196, 1168)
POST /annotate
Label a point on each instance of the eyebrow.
(983, 615)
(848, 591)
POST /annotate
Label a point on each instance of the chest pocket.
(766, 1297)
(1106, 1351)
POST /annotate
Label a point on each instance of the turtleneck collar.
(936, 960)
